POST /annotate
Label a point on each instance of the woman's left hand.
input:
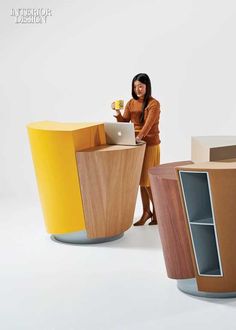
(137, 139)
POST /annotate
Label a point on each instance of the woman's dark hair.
(144, 79)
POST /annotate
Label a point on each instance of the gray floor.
(116, 285)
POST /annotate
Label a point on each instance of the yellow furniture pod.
(54, 146)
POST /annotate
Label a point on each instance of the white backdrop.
(85, 56)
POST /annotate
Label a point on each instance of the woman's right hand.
(113, 108)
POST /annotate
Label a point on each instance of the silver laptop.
(120, 133)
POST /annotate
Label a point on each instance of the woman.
(144, 111)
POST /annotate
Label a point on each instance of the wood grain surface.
(109, 180)
(222, 178)
(171, 221)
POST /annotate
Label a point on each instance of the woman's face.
(139, 89)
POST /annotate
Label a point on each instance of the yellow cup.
(119, 104)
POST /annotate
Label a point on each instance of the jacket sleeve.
(151, 119)
(126, 115)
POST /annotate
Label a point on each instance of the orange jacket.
(149, 129)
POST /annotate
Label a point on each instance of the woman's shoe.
(154, 219)
(153, 222)
(146, 215)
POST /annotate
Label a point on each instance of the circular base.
(189, 286)
(80, 237)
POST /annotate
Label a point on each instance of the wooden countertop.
(222, 165)
(107, 147)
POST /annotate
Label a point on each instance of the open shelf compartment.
(196, 191)
(205, 248)
(197, 198)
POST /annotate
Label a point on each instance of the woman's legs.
(154, 218)
(151, 159)
(146, 207)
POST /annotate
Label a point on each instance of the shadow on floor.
(143, 237)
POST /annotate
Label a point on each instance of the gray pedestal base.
(190, 286)
(80, 237)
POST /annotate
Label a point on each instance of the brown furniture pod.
(208, 193)
(171, 221)
(109, 180)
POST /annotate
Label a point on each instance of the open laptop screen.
(120, 133)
